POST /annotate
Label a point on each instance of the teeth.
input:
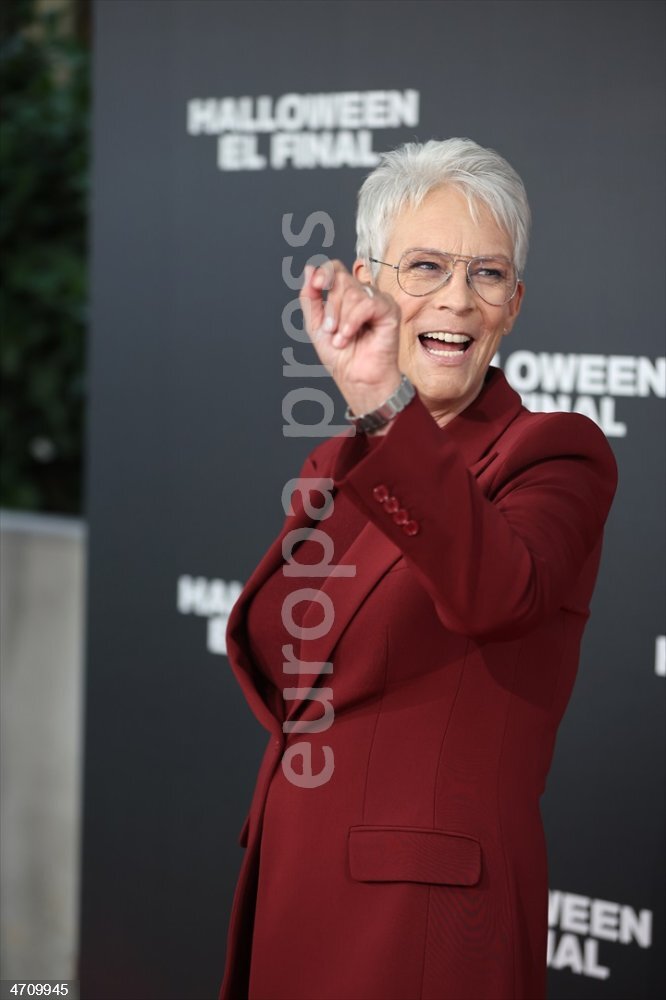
(448, 338)
(445, 354)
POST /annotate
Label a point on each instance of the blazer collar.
(478, 427)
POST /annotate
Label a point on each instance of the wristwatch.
(369, 422)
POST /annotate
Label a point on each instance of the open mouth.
(442, 344)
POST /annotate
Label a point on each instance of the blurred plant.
(44, 71)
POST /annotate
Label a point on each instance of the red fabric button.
(411, 528)
(391, 505)
(401, 516)
(380, 493)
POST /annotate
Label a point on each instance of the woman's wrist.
(371, 420)
(369, 398)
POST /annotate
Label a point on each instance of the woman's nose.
(456, 294)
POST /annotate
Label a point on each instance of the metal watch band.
(369, 422)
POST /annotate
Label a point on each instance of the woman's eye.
(425, 265)
(492, 273)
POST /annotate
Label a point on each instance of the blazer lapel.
(371, 555)
(238, 647)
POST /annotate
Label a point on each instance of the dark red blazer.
(419, 869)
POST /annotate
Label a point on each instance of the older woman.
(411, 639)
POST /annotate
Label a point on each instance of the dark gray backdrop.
(187, 455)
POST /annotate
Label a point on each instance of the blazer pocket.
(242, 836)
(413, 854)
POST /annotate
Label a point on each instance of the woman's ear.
(362, 272)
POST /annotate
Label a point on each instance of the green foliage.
(44, 73)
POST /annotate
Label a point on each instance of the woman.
(394, 842)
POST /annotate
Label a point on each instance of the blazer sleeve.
(496, 561)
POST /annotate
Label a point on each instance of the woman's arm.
(496, 561)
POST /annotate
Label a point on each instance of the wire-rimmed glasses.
(422, 271)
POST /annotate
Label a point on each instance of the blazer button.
(411, 528)
(391, 506)
(380, 493)
(401, 516)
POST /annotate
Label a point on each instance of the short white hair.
(407, 174)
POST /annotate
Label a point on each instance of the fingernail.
(337, 340)
(329, 323)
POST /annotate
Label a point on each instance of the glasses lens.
(493, 278)
(423, 271)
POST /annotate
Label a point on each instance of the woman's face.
(450, 379)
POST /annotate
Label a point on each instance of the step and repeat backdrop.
(230, 140)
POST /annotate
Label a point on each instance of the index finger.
(312, 301)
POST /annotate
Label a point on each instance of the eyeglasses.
(420, 272)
